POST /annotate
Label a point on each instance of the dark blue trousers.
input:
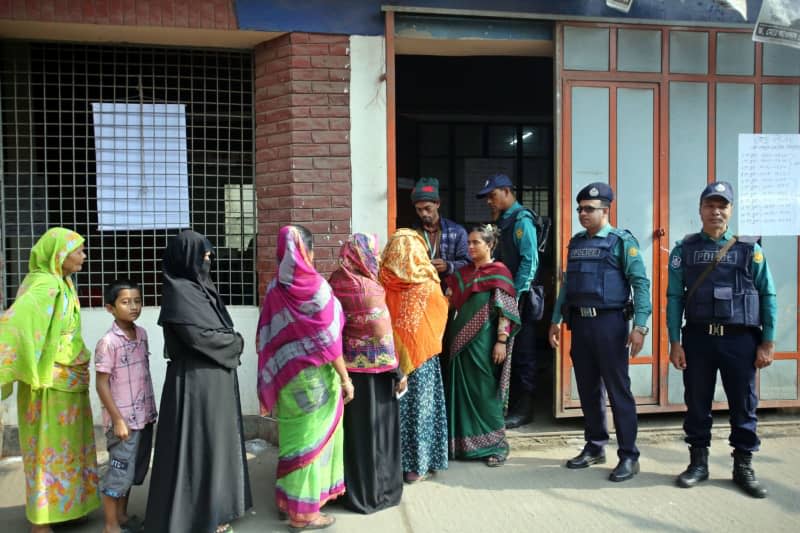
(733, 356)
(600, 360)
(523, 359)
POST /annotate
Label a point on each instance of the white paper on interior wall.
(142, 169)
(779, 23)
(475, 173)
(768, 199)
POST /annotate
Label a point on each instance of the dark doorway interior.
(460, 119)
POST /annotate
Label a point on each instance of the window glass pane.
(536, 140)
(779, 381)
(735, 54)
(641, 380)
(434, 139)
(468, 140)
(734, 116)
(688, 52)
(589, 139)
(585, 48)
(639, 50)
(502, 141)
(688, 155)
(635, 181)
(781, 60)
(781, 114)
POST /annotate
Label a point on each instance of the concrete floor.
(533, 492)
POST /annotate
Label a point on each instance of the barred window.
(127, 145)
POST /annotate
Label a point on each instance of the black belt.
(720, 330)
(591, 312)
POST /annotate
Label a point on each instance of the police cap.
(596, 191)
(723, 189)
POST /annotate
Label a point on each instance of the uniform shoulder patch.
(520, 233)
(758, 257)
(633, 251)
(675, 262)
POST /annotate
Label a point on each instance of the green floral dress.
(42, 349)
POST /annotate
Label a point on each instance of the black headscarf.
(188, 296)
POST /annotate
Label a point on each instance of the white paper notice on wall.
(768, 199)
(142, 166)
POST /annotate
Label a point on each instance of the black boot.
(697, 470)
(744, 476)
(521, 413)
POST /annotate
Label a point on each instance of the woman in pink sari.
(303, 381)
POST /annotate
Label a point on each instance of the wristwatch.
(644, 330)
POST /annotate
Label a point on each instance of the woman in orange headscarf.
(419, 315)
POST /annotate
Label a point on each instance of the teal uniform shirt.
(527, 244)
(627, 251)
(762, 279)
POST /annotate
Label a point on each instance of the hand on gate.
(554, 335)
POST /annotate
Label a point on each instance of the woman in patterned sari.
(419, 315)
(303, 381)
(42, 349)
(480, 339)
(372, 466)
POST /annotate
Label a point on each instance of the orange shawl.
(414, 297)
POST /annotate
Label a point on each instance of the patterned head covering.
(46, 305)
(301, 320)
(368, 340)
(414, 297)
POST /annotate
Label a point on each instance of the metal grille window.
(115, 143)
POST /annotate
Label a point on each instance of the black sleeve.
(223, 346)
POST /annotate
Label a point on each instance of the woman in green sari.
(42, 349)
(481, 338)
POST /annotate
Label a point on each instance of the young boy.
(129, 410)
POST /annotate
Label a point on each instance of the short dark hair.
(113, 289)
(308, 238)
(605, 203)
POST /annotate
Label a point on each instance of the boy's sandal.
(495, 460)
(323, 521)
(224, 528)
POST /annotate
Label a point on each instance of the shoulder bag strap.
(717, 258)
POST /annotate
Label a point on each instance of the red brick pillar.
(302, 104)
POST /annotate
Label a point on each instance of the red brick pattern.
(209, 14)
(302, 144)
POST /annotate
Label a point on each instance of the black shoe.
(521, 413)
(587, 458)
(625, 470)
(697, 470)
(744, 476)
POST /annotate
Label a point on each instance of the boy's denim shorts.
(128, 461)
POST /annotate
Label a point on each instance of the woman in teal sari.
(481, 338)
(41, 348)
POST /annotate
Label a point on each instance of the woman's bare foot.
(320, 522)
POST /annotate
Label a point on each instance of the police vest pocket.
(723, 302)
(586, 280)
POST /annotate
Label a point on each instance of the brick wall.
(302, 144)
(207, 14)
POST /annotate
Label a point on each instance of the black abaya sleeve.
(223, 346)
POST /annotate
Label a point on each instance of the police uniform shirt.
(627, 253)
(762, 279)
(527, 246)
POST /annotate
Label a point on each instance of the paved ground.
(534, 492)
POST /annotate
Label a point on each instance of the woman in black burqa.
(199, 480)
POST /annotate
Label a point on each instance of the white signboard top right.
(768, 199)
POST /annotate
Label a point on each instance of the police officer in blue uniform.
(518, 250)
(723, 287)
(603, 265)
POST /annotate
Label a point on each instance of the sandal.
(323, 521)
(224, 528)
(495, 460)
(413, 477)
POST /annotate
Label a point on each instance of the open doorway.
(461, 119)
